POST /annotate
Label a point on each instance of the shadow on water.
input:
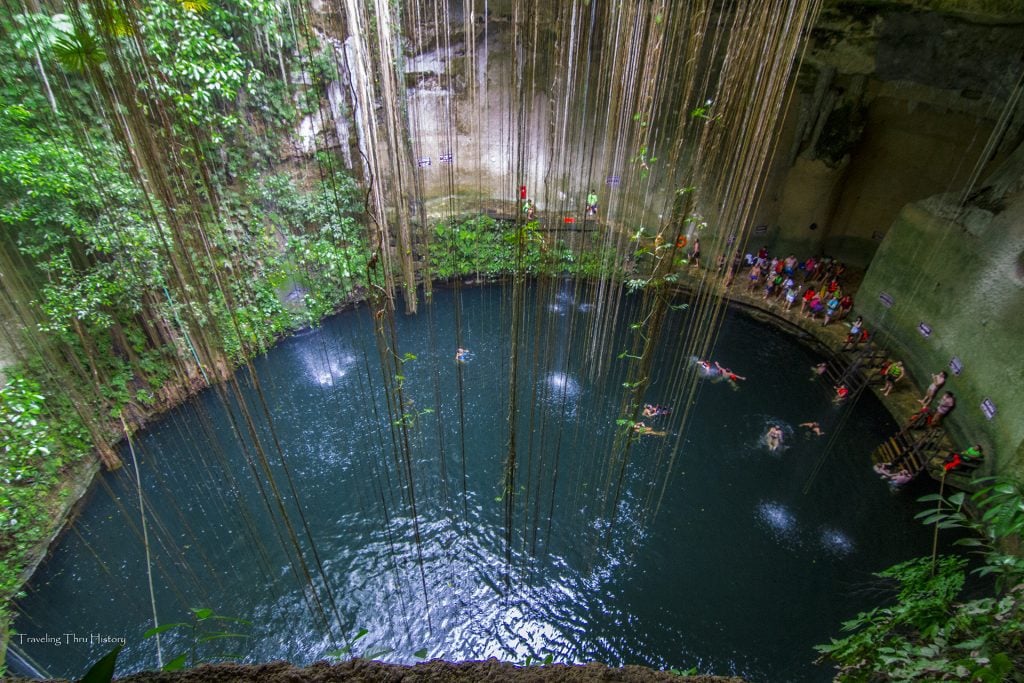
(739, 572)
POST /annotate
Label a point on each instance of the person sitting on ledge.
(968, 458)
(920, 419)
(841, 393)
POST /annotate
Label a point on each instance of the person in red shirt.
(808, 298)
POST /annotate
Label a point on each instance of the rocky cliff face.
(952, 267)
(905, 149)
(895, 102)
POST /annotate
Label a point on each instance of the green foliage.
(88, 257)
(483, 246)
(103, 670)
(327, 250)
(201, 68)
(355, 649)
(35, 448)
(32, 32)
(931, 632)
(692, 671)
(203, 636)
(78, 50)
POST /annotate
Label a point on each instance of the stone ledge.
(433, 671)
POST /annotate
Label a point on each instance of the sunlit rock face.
(891, 105)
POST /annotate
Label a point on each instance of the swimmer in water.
(727, 373)
(461, 355)
(643, 430)
(814, 427)
(655, 411)
(895, 477)
(707, 369)
(774, 438)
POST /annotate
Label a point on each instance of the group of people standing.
(819, 289)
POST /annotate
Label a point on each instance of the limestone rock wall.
(894, 103)
(958, 275)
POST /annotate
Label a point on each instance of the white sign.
(988, 408)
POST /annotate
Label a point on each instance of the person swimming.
(814, 427)
(655, 411)
(462, 355)
(727, 373)
(895, 477)
(643, 430)
(774, 438)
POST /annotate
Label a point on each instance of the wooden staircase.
(909, 450)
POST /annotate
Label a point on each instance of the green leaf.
(103, 670)
(971, 644)
(161, 629)
(219, 636)
(420, 653)
(202, 613)
(176, 664)
(930, 498)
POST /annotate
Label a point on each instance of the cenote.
(720, 554)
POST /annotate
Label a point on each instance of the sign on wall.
(761, 230)
(445, 158)
(423, 161)
(613, 180)
(988, 408)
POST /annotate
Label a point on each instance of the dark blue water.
(720, 553)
